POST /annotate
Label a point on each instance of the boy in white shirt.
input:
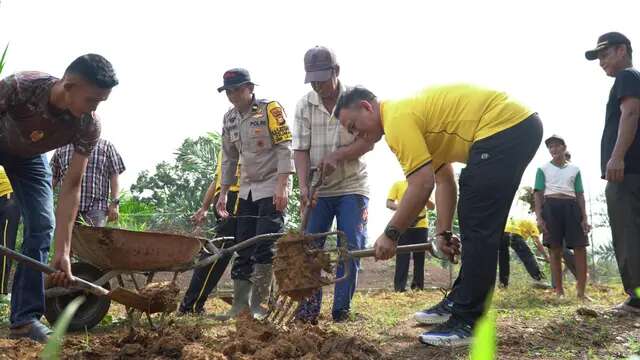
(561, 214)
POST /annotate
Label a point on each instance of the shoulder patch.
(278, 123)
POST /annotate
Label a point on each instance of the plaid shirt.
(319, 132)
(104, 162)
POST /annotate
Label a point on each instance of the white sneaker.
(626, 308)
(437, 314)
(452, 333)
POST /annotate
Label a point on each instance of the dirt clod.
(162, 294)
(586, 312)
(298, 266)
(131, 349)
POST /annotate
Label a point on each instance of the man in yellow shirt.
(496, 137)
(205, 279)
(515, 234)
(9, 220)
(417, 233)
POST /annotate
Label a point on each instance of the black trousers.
(205, 279)
(410, 237)
(255, 218)
(487, 186)
(623, 206)
(519, 245)
(9, 220)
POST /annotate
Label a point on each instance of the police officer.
(256, 134)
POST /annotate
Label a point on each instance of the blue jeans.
(31, 182)
(351, 214)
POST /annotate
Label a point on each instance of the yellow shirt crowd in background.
(5, 185)
(397, 192)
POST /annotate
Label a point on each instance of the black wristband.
(392, 233)
(447, 234)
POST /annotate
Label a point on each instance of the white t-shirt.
(553, 179)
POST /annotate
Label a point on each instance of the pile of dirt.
(162, 295)
(298, 266)
(251, 339)
(258, 340)
(168, 343)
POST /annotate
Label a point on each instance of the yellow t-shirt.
(512, 227)
(396, 193)
(525, 228)
(5, 185)
(528, 229)
(440, 123)
(235, 187)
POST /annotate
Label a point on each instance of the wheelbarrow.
(109, 254)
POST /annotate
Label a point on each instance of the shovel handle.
(37, 265)
(399, 250)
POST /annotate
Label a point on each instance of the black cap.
(554, 138)
(318, 64)
(606, 40)
(235, 77)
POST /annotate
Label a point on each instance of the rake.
(301, 266)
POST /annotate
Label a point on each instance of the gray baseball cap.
(318, 64)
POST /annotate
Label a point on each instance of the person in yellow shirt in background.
(205, 279)
(515, 235)
(9, 220)
(417, 233)
(496, 137)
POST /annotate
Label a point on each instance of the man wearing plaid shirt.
(101, 177)
(320, 141)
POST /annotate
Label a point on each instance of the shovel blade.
(134, 300)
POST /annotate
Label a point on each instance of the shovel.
(120, 295)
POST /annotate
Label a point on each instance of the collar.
(315, 99)
(254, 107)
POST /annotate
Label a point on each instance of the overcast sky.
(170, 56)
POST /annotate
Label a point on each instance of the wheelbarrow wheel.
(91, 312)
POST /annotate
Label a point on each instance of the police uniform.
(261, 140)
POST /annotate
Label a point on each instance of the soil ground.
(531, 324)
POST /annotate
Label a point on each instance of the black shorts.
(563, 219)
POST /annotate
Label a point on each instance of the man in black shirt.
(620, 159)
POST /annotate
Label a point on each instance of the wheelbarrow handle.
(230, 250)
(37, 265)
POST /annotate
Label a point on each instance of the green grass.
(52, 349)
(3, 58)
(484, 338)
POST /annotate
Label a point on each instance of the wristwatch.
(115, 201)
(447, 235)
(392, 233)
